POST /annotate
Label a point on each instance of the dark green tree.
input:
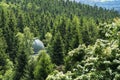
(57, 50)
(3, 55)
(24, 50)
(76, 33)
(11, 37)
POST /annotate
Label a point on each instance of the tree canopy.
(81, 42)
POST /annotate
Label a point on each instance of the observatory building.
(37, 45)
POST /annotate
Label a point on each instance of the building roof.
(37, 45)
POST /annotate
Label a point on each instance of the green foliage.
(3, 56)
(48, 38)
(60, 76)
(64, 26)
(76, 29)
(57, 50)
(25, 40)
(24, 50)
(89, 31)
(43, 67)
(29, 71)
(74, 56)
(9, 70)
(100, 61)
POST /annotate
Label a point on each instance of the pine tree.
(76, 34)
(57, 50)
(43, 67)
(3, 55)
(3, 47)
(11, 38)
(24, 50)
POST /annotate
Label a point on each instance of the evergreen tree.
(6, 66)
(43, 67)
(70, 24)
(57, 51)
(76, 34)
(3, 55)
(11, 38)
(24, 50)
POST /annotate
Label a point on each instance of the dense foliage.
(100, 61)
(81, 42)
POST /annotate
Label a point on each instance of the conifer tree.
(6, 66)
(76, 34)
(11, 38)
(3, 56)
(24, 50)
(57, 50)
(43, 67)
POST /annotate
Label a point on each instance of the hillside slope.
(62, 26)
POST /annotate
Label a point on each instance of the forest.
(81, 42)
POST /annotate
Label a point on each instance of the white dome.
(37, 45)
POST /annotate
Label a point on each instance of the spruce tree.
(43, 67)
(24, 50)
(57, 50)
(3, 55)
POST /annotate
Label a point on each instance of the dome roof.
(37, 45)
